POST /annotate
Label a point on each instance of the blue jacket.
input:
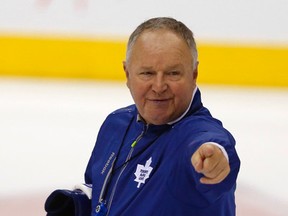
(155, 177)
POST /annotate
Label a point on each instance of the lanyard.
(103, 207)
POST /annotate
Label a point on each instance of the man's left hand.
(211, 162)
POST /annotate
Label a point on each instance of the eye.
(146, 73)
(174, 73)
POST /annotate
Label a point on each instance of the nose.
(159, 84)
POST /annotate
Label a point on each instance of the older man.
(165, 154)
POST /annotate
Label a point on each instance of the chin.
(157, 118)
(159, 121)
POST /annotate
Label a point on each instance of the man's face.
(160, 76)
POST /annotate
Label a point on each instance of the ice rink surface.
(48, 129)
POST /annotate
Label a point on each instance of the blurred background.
(61, 75)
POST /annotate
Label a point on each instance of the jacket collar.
(187, 110)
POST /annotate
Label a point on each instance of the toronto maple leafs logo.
(143, 172)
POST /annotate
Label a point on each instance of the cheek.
(183, 95)
(137, 91)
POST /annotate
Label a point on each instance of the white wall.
(254, 21)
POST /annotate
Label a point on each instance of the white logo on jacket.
(143, 172)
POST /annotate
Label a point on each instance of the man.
(165, 155)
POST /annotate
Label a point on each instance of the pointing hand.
(211, 162)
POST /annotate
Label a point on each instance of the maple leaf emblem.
(143, 172)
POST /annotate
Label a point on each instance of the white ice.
(48, 129)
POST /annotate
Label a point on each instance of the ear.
(126, 73)
(125, 69)
(195, 72)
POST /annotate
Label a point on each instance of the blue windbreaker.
(155, 177)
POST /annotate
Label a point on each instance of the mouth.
(159, 101)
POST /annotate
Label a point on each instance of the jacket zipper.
(124, 167)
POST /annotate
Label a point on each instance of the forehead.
(159, 36)
(157, 44)
(160, 40)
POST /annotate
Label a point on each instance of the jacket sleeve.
(67, 203)
(213, 192)
(203, 195)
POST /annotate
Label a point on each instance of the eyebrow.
(170, 67)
